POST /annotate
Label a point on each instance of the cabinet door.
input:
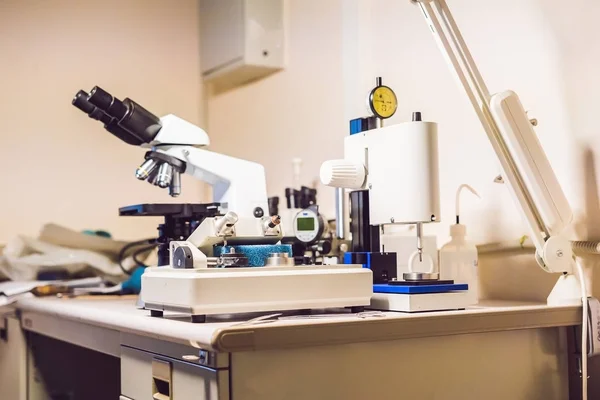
(13, 359)
(146, 375)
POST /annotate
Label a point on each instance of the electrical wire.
(121, 256)
(136, 253)
(584, 329)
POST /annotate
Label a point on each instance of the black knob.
(416, 116)
(273, 205)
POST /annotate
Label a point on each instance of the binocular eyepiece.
(125, 119)
(134, 125)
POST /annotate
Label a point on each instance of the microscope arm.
(239, 183)
(526, 169)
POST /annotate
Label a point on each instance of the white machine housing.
(456, 300)
(201, 290)
(399, 166)
(206, 291)
(175, 130)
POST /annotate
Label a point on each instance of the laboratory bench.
(104, 348)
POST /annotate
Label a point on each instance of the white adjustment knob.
(343, 174)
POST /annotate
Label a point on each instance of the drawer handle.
(160, 396)
(161, 379)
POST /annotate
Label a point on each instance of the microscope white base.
(420, 302)
(206, 291)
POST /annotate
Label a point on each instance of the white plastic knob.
(343, 174)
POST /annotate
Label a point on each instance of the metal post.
(340, 213)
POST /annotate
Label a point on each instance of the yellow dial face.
(383, 102)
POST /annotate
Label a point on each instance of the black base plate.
(419, 283)
(180, 210)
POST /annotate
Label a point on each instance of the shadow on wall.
(511, 276)
(589, 228)
(573, 27)
(587, 225)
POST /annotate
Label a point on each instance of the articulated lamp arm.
(525, 167)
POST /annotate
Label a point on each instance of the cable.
(123, 250)
(584, 323)
(140, 251)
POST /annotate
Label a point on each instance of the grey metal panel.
(179, 351)
(394, 326)
(85, 335)
(529, 364)
(189, 381)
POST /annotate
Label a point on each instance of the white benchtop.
(119, 315)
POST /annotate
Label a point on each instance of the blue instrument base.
(420, 289)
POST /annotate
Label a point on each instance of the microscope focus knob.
(343, 174)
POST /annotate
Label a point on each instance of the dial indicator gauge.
(383, 102)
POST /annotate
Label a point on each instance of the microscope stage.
(206, 291)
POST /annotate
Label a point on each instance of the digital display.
(305, 224)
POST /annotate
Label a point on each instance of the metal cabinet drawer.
(146, 375)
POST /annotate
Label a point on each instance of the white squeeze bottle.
(458, 257)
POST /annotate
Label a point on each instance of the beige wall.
(57, 164)
(298, 112)
(542, 49)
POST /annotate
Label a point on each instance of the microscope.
(175, 148)
(225, 257)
